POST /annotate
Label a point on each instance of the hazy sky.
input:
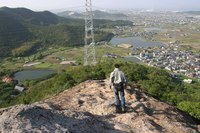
(108, 4)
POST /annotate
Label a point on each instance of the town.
(168, 40)
(170, 57)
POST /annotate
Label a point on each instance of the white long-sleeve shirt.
(117, 76)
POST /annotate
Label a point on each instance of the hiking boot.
(123, 110)
(118, 109)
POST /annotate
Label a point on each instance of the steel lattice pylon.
(89, 50)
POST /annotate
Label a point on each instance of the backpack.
(118, 86)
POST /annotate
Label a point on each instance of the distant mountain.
(101, 14)
(70, 14)
(191, 12)
(38, 18)
(23, 31)
(97, 14)
(12, 33)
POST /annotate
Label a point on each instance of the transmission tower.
(89, 50)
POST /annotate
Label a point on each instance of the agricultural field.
(51, 58)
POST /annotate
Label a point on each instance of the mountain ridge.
(23, 31)
(89, 107)
(31, 16)
(97, 14)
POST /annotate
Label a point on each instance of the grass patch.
(48, 66)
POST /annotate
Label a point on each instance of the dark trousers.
(119, 89)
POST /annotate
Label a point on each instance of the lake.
(32, 74)
(134, 41)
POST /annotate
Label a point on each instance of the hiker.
(118, 80)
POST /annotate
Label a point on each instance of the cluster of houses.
(173, 59)
(162, 17)
(111, 55)
(18, 86)
(155, 19)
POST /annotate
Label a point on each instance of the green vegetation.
(6, 90)
(48, 65)
(53, 56)
(45, 37)
(156, 82)
(24, 32)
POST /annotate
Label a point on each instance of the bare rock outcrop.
(89, 107)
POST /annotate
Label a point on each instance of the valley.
(37, 41)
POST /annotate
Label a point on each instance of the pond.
(32, 74)
(134, 41)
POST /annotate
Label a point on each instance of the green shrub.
(193, 108)
(154, 81)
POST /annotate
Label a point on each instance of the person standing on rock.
(118, 80)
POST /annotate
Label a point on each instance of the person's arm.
(125, 81)
(111, 80)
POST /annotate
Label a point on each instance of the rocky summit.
(90, 108)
